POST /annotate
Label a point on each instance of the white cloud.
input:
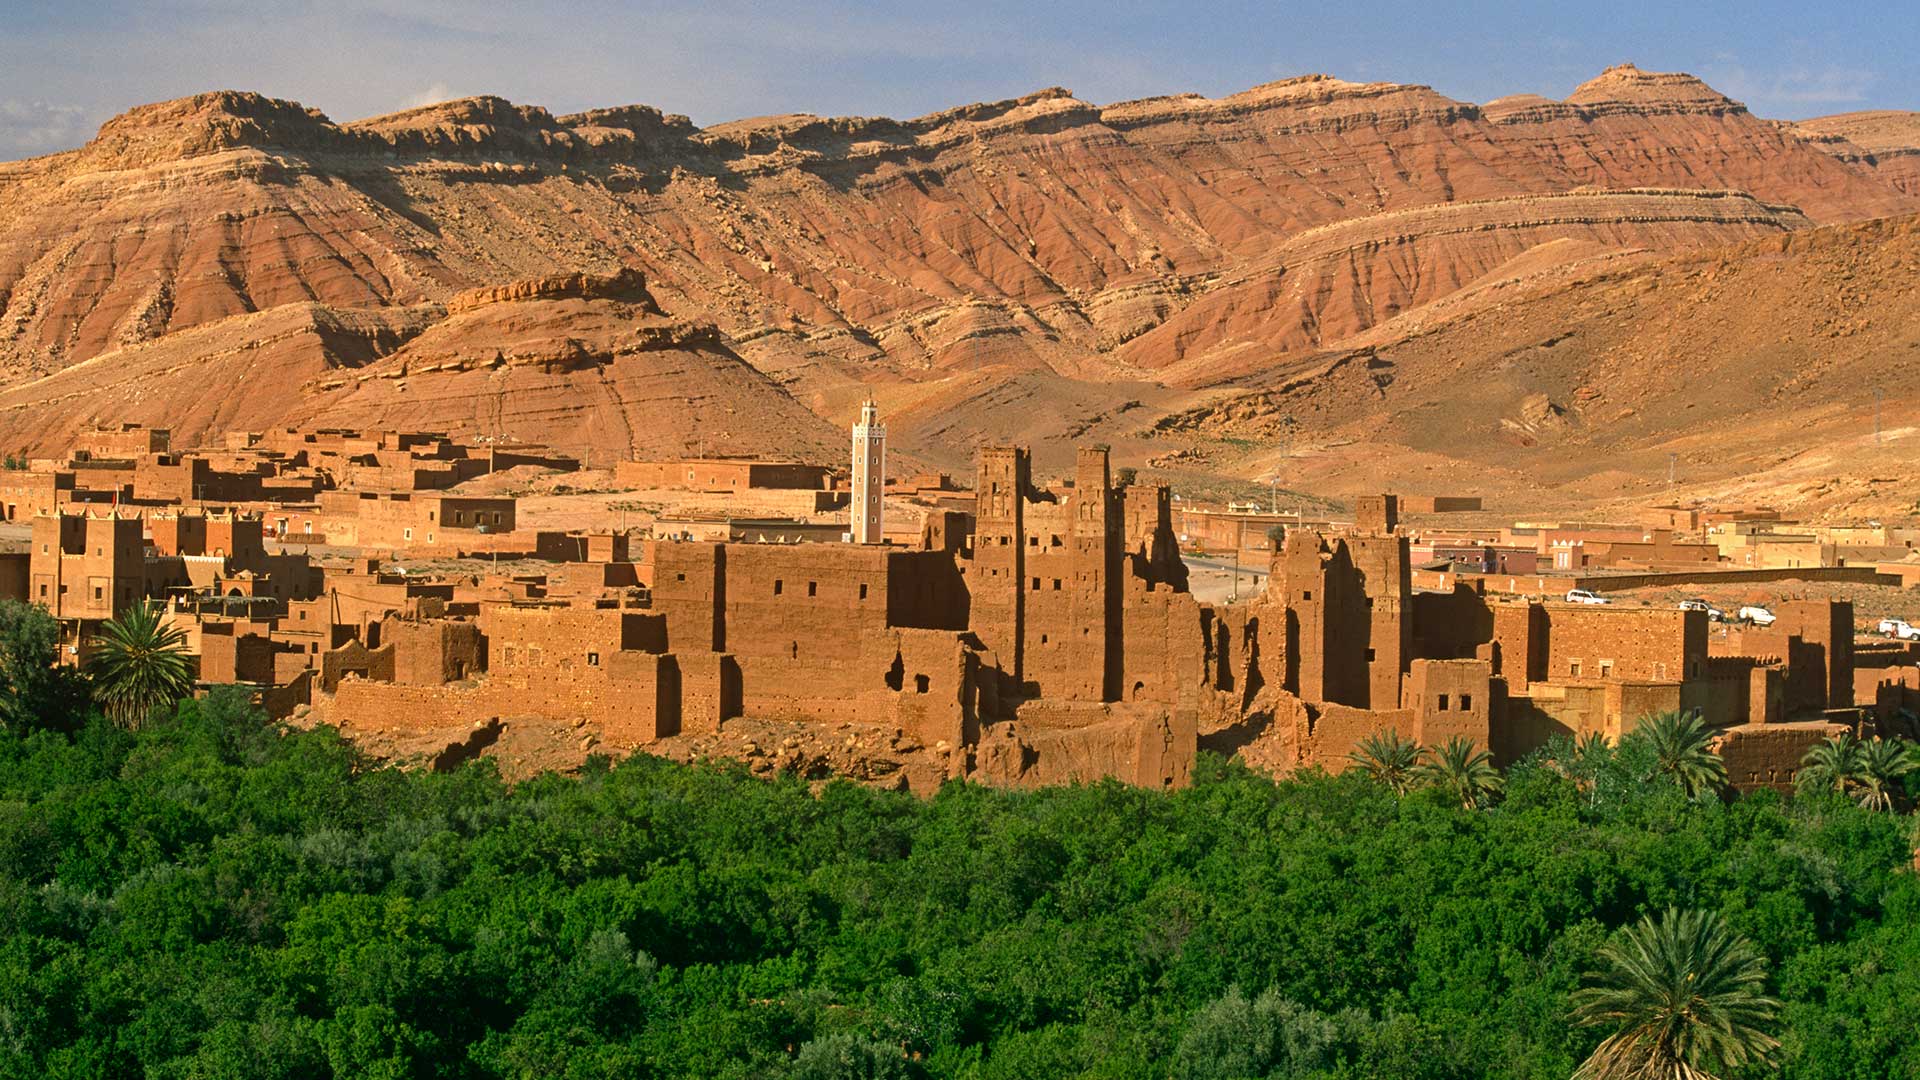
(432, 95)
(30, 128)
(1793, 89)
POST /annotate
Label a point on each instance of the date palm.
(1686, 997)
(1463, 771)
(1832, 765)
(139, 663)
(1388, 757)
(1882, 764)
(1683, 750)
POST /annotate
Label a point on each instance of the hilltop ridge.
(1039, 255)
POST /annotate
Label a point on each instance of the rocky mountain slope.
(1885, 143)
(1757, 367)
(1039, 268)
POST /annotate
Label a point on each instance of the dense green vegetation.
(211, 896)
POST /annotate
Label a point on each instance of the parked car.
(1757, 616)
(1900, 628)
(1714, 614)
(1585, 596)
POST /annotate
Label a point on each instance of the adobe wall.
(1451, 699)
(25, 495)
(1376, 515)
(1334, 731)
(435, 652)
(1327, 620)
(1439, 504)
(1653, 645)
(531, 639)
(689, 583)
(16, 574)
(1767, 755)
(86, 567)
(1150, 746)
(1828, 626)
(416, 708)
(1629, 702)
(996, 571)
(1386, 592)
(1451, 625)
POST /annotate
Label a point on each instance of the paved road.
(1211, 579)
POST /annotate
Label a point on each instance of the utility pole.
(1878, 395)
(1671, 460)
(1239, 538)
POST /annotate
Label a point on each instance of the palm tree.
(1882, 762)
(1683, 749)
(139, 663)
(1685, 996)
(1462, 770)
(1833, 765)
(1389, 758)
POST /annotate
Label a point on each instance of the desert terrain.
(1340, 285)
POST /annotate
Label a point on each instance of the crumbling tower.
(869, 474)
(999, 555)
(1093, 670)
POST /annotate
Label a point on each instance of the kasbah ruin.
(904, 632)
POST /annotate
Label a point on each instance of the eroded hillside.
(1039, 268)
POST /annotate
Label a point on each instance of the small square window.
(813, 588)
(1466, 702)
(778, 586)
(593, 659)
(863, 590)
(1443, 703)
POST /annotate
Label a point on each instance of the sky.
(67, 66)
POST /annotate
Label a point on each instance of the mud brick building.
(725, 475)
(1049, 635)
(1036, 633)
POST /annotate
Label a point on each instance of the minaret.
(869, 474)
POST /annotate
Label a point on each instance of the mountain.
(1756, 367)
(1039, 268)
(1884, 143)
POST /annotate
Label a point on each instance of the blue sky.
(65, 67)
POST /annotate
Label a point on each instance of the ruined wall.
(1548, 711)
(1386, 588)
(1329, 626)
(1450, 625)
(1334, 731)
(1084, 742)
